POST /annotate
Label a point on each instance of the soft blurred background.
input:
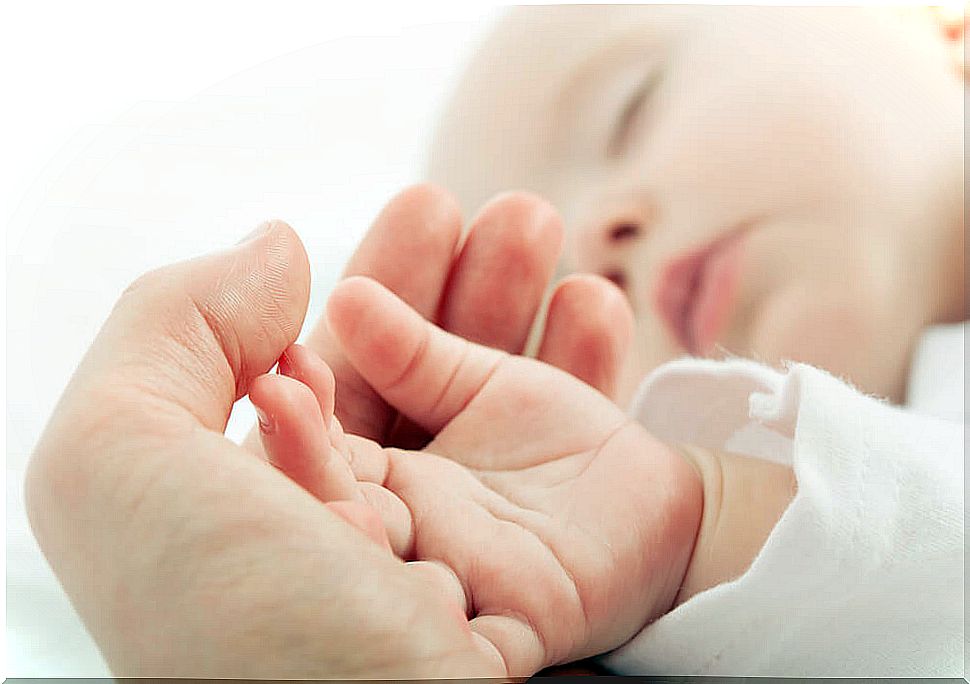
(320, 136)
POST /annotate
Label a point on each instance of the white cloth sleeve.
(863, 574)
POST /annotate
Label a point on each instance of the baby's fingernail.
(266, 424)
(256, 232)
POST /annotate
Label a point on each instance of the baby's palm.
(567, 525)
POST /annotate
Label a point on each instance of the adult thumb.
(187, 339)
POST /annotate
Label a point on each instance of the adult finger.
(497, 282)
(186, 340)
(505, 265)
(588, 331)
(134, 448)
(162, 533)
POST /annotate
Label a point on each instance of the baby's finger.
(367, 459)
(410, 249)
(303, 364)
(426, 373)
(300, 363)
(588, 331)
(364, 518)
(498, 280)
(394, 515)
(442, 579)
(296, 441)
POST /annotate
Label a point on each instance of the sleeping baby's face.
(764, 182)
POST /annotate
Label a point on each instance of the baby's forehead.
(553, 47)
(556, 41)
(512, 96)
(548, 83)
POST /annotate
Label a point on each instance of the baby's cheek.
(829, 331)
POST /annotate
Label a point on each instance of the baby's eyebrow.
(631, 109)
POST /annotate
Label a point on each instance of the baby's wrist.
(744, 498)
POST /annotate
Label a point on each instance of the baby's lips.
(696, 292)
(673, 296)
(716, 294)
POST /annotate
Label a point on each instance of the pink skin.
(197, 559)
(486, 287)
(295, 409)
(523, 457)
(194, 558)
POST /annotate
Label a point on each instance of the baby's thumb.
(186, 340)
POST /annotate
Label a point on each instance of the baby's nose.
(606, 247)
(623, 231)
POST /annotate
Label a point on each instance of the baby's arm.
(743, 500)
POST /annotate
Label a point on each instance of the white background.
(135, 134)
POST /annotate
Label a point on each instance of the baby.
(776, 184)
(779, 184)
(772, 183)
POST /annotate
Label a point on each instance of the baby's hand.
(561, 526)
(301, 436)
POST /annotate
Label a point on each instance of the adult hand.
(186, 555)
(486, 288)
